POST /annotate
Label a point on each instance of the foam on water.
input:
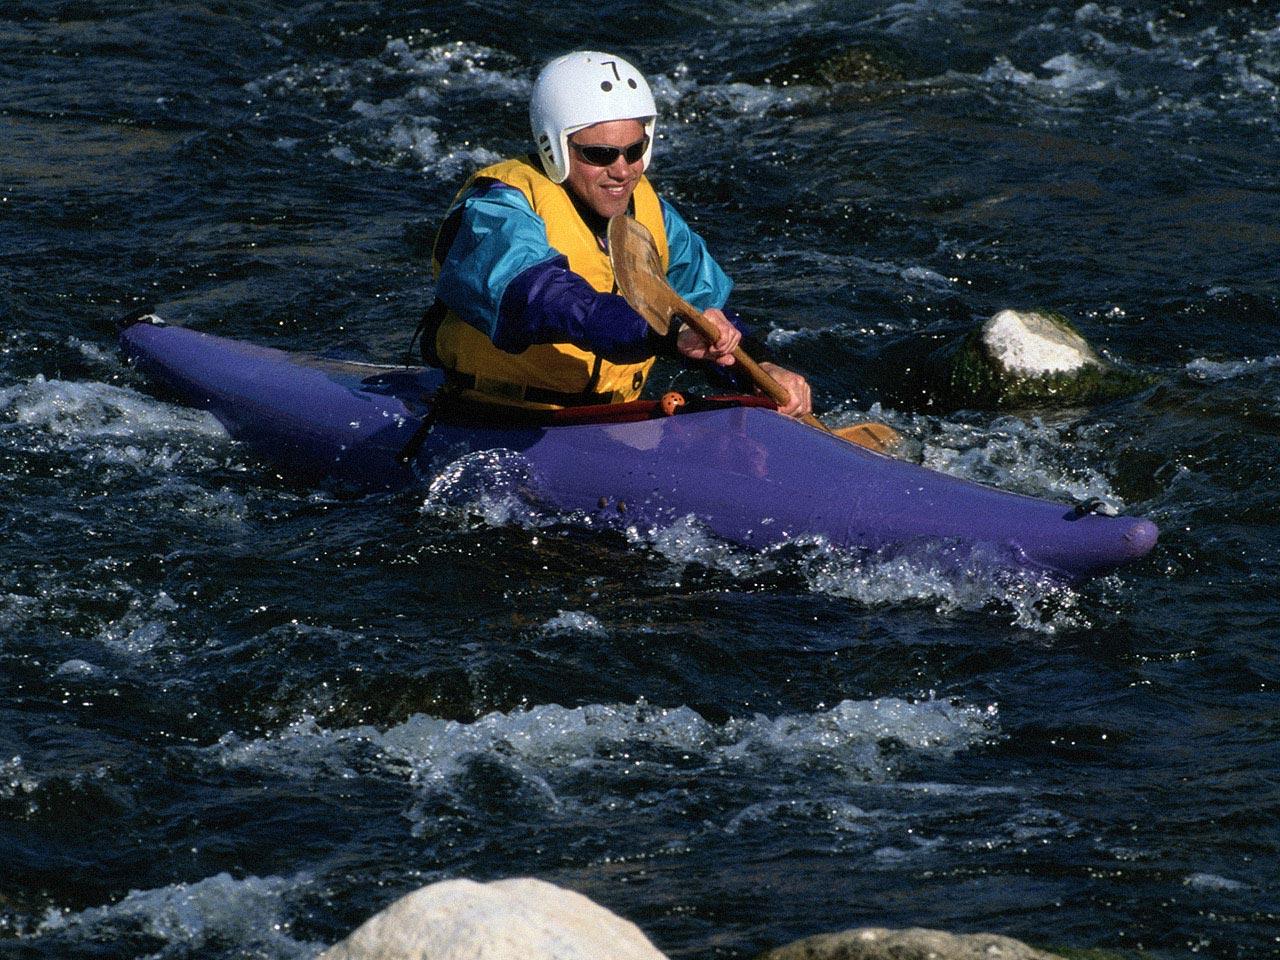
(1216, 371)
(698, 116)
(1215, 883)
(1159, 66)
(143, 627)
(15, 781)
(638, 762)
(753, 100)
(458, 63)
(544, 743)
(116, 433)
(252, 913)
(428, 79)
(79, 410)
(1027, 456)
(838, 813)
(105, 360)
(950, 579)
(75, 602)
(221, 507)
(574, 623)
(493, 487)
(913, 17)
(687, 540)
(17, 609)
(77, 669)
(1103, 51)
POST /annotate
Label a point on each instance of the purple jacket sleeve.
(549, 303)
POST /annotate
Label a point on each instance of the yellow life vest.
(548, 375)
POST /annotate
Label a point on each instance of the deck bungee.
(747, 473)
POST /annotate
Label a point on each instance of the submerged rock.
(1025, 359)
(875, 943)
(853, 68)
(859, 65)
(518, 919)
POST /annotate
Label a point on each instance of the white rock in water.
(519, 919)
(1029, 344)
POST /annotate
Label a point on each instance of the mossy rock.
(856, 66)
(878, 943)
(1019, 359)
(859, 65)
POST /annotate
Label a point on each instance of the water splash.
(190, 917)
(427, 80)
(550, 740)
(143, 628)
(1029, 456)
(494, 487)
(86, 410)
(1216, 371)
(574, 623)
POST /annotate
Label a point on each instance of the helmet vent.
(631, 83)
(606, 86)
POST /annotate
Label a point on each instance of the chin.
(611, 206)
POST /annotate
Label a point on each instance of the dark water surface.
(237, 717)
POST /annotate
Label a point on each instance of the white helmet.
(581, 89)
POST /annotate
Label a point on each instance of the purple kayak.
(747, 473)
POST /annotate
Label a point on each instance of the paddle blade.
(874, 436)
(637, 269)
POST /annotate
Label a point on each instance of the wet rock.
(518, 919)
(875, 943)
(1025, 359)
(851, 67)
(860, 66)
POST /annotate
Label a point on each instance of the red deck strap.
(466, 411)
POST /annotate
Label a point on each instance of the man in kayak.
(525, 311)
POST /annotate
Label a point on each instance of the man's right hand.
(693, 345)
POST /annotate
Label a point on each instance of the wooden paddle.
(637, 268)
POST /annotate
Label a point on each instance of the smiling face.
(606, 190)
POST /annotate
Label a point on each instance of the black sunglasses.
(599, 156)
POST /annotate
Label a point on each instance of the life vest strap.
(502, 390)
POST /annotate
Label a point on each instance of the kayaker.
(525, 311)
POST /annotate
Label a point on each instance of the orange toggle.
(671, 402)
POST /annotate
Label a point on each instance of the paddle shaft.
(640, 277)
(759, 376)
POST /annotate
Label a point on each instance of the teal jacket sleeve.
(493, 236)
(691, 270)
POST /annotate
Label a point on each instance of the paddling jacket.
(527, 310)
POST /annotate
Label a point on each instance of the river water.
(238, 716)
